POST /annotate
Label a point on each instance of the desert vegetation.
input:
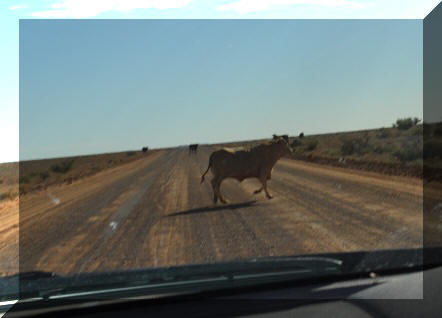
(27, 176)
(402, 143)
(9, 178)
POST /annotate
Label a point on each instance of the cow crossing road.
(155, 212)
(256, 163)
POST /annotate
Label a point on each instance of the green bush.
(63, 167)
(44, 175)
(296, 143)
(348, 147)
(417, 131)
(409, 152)
(379, 149)
(418, 163)
(406, 123)
(32, 174)
(95, 169)
(357, 146)
(383, 133)
(311, 145)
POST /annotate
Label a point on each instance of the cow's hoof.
(269, 197)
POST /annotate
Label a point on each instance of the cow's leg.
(214, 188)
(259, 190)
(267, 192)
(263, 178)
(221, 198)
(216, 184)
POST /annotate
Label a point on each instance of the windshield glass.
(147, 144)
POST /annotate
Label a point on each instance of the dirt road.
(154, 212)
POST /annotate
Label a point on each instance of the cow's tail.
(210, 164)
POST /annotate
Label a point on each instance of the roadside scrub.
(396, 150)
(34, 175)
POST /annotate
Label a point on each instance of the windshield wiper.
(202, 277)
(23, 283)
(179, 279)
(44, 290)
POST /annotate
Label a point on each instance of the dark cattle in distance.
(193, 148)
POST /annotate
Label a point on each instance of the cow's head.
(285, 137)
(283, 143)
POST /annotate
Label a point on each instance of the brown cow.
(257, 163)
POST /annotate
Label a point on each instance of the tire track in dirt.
(122, 249)
(69, 230)
(374, 208)
(343, 225)
(370, 193)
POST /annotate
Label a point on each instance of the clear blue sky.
(68, 143)
(96, 86)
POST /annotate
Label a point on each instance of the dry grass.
(28, 176)
(377, 145)
(9, 180)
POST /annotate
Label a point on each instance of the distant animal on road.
(193, 148)
(257, 163)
